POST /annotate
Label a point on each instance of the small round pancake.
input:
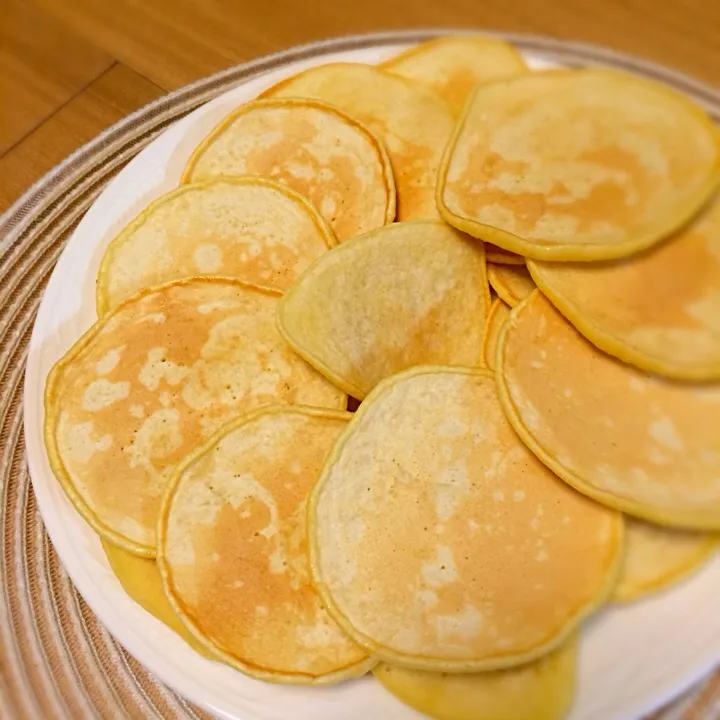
(498, 315)
(153, 378)
(541, 690)
(456, 64)
(589, 164)
(511, 282)
(497, 255)
(637, 442)
(140, 579)
(407, 294)
(412, 120)
(232, 548)
(656, 557)
(249, 228)
(313, 148)
(659, 310)
(439, 542)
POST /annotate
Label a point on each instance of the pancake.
(232, 548)
(406, 294)
(499, 313)
(315, 149)
(454, 65)
(511, 282)
(590, 164)
(249, 228)
(153, 378)
(140, 579)
(499, 256)
(439, 542)
(656, 557)
(412, 120)
(637, 442)
(541, 690)
(659, 310)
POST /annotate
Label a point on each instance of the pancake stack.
(513, 280)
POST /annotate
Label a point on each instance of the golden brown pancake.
(439, 542)
(637, 442)
(454, 65)
(656, 557)
(406, 294)
(232, 548)
(313, 148)
(541, 690)
(511, 282)
(412, 120)
(497, 255)
(587, 164)
(249, 228)
(149, 381)
(659, 310)
(499, 313)
(140, 579)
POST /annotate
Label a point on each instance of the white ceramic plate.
(633, 659)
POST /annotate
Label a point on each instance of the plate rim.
(53, 184)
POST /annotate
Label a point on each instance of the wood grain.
(43, 63)
(173, 42)
(115, 94)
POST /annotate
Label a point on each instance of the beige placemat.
(56, 660)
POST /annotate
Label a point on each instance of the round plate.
(55, 660)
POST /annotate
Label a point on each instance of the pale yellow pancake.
(313, 148)
(149, 381)
(406, 294)
(577, 165)
(499, 313)
(232, 548)
(659, 310)
(512, 283)
(497, 255)
(637, 442)
(540, 690)
(439, 542)
(656, 557)
(411, 119)
(248, 228)
(454, 65)
(140, 579)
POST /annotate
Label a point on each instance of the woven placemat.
(56, 660)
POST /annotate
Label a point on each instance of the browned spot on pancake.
(233, 546)
(656, 309)
(188, 356)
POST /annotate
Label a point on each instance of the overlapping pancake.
(499, 313)
(153, 378)
(455, 64)
(497, 255)
(640, 443)
(411, 119)
(249, 228)
(313, 148)
(512, 283)
(232, 548)
(656, 557)
(406, 294)
(577, 165)
(659, 310)
(540, 690)
(439, 542)
(140, 579)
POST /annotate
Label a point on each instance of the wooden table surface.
(70, 68)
